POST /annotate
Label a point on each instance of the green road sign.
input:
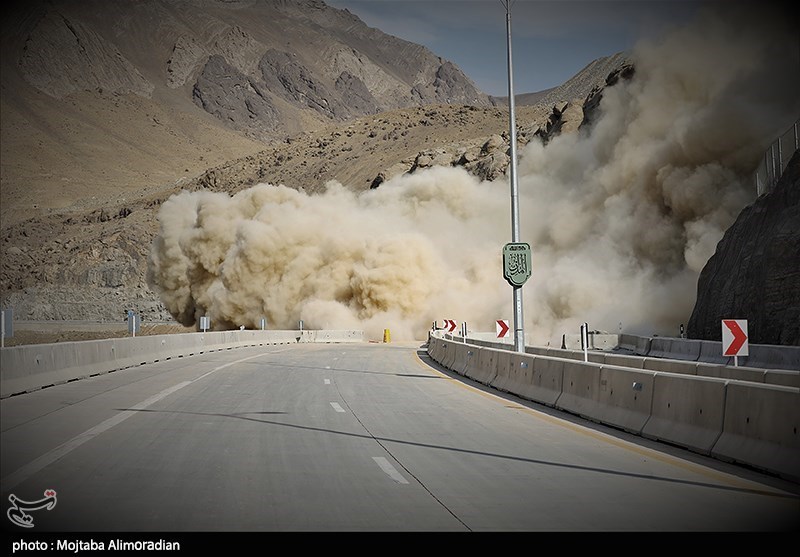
(516, 263)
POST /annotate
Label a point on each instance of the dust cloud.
(621, 218)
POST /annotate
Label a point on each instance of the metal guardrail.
(776, 158)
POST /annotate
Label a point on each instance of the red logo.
(17, 514)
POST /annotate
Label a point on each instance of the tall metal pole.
(519, 331)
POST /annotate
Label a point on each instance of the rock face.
(565, 117)
(755, 272)
(591, 105)
(591, 78)
(571, 116)
(267, 68)
(289, 78)
(58, 42)
(228, 94)
(491, 159)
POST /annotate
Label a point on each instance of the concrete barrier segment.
(783, 377)
(521, 376)
(670, 366)
(485, 371)
(762, 428)
(596, 357)
(536, 350)
(596, 341)
(580, 388)
(687, 410)
(432, 348)
(731, 372)
(625, 397)
(768, 356)
(503, 367)
(621, 360)
(460, 356)
(31, 367)
(92, 357)
(472, 360)
(761, 356)
(576, 355)
(450, 354)
(336, 336)
(437, 349)
(675, 349)
(711, 353)
(635, 344)
(548, 379)
(28, 368)
(124, 354)
(522, 369)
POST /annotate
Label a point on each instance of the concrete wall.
(486, 369)
(687, 410)
(680, 364)
(734, 414)
(762, 356)
(31, 367)
(597, 341)
(677, 356)
(761, 425)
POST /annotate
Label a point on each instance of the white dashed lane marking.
(390, 470)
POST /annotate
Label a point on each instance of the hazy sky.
(552, 40)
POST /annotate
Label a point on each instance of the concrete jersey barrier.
(31, 367)
(761, 428)
(745, 421)
(687, 410)
(762, 356)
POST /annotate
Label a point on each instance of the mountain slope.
(94, 91)
(92, 147)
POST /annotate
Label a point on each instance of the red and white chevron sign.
(449, 325)
(502, 328)
(734, 337)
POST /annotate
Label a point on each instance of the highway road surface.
(349, 438)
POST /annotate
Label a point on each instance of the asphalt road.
(350, 438)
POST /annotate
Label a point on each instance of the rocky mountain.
(575, 89)
(254, 71)
(755, 272)
(108, 109)
(256, 65)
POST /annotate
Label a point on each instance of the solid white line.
(337, 407)
(50, 457)
(387, 467)
(327, 381)
(226, 365)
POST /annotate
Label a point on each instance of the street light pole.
(519, 330)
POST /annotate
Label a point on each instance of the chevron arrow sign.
(734, 337)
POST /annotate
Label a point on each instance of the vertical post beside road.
(6, 325)
(519, 329)
(585, 341)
